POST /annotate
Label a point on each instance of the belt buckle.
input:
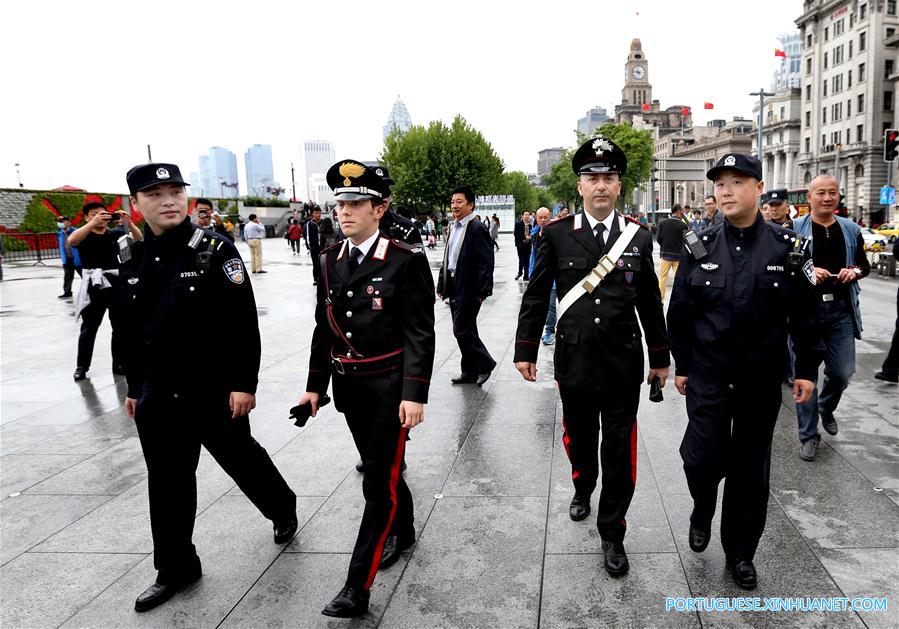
(827, 297)
(338, 366)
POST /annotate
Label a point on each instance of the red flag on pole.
(645, 106)
(780, 53)
(685, 111)
(708, 105)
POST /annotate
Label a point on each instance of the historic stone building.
(782, 139)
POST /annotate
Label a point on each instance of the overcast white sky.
(87, 85)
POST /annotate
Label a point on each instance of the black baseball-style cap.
(746, 164)
(148, 175)
(779, 195)
(599, 155)
(381, 171)
(351, 180)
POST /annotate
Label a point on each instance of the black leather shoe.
(744, 573)
(464, 379)
(285, 529)
(64, 296)
(483, 377)
(159, 593)
(80, 373)
(829, 423)
(394, 545)
(579, 508)
(886, 376)
(349, 603)
(360, 466)
(615, 559)
(699, 538)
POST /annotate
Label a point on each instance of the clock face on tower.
(638, 72)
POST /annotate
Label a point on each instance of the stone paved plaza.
(487, 469)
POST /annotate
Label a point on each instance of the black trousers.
(614, 412)
(371, 407)
(475, 357)
(102, 300)
(171, 431)
(729, 437)
(69, 275)
(315, 254)
(524, 260)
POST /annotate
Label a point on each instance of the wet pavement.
(488, 473)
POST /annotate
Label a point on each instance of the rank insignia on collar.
(133, 280)
(709, 266)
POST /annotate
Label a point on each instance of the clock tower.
(637, 89)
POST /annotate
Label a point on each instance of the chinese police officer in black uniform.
(743, 283)
(374, 334)
(599, 353)
(177, 275)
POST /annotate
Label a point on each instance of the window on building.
(837, 55)
(851, 24)
(848, 107)
(782, 112)
(808, 145)
(825, 60)
(862, 12)
(808, 119)
(849, 79)
(891, 32)
(888, 69)
(850, 49)
(824, 115)
(808, 40)
(780, 137)
(826, 33)
(861, 103)
(888, 100)
(861, 72)
(862, 41)
(767, 139)
(848, 135)
(825, 87)
(808, 92)
(891, 7)
(808, 65)
(859, 132)
(824, 140)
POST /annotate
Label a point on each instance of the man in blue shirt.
(68, 254)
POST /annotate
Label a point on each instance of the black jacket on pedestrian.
(384, 307)
(474, 268)
(520, 231)
(730, 311)
(311, 233)
(168, 292)
(598, 340)
(670, 236)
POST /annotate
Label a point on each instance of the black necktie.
(354, 259)
(598, 231)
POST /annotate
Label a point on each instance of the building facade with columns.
(782, 138)
(847, 98)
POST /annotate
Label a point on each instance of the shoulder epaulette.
(405, 246)
(332, 246)
(559, 219)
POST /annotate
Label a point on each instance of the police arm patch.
(234, 270)
(808, 269)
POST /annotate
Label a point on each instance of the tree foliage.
(516, 184)
(427, 163)
(562, 182)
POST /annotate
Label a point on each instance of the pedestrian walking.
(295, 236)
(374, 336)
(598, 354)
(466, 278)
(670, 236)
(179, 274)
(68, 255)
(522, 234)
(101, 290)
(494, 230)
(739, 289)
(889, 372)
(254, 232)
(838, 253)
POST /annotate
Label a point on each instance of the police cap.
(776, 196)
(746, 164)
(351, 180)
(381, 171)
(599, 155)
(148, 175)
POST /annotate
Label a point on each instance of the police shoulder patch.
(234, 270)
(808, 269)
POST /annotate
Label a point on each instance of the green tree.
(637, 145)
(516, 183)
(427, 163)
(562, 182)
(544, 198)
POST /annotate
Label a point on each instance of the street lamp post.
(18, 176)
(761, 94)
(293, 183)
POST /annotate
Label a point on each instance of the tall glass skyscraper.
(319, 156)
(218, 174)
(399, 119)
(260, 172)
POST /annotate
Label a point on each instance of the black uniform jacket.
(519, 232)
(385, 307)
(171, 296)
(474, 268)
(395, 225)
(598, 340)
(730, 311)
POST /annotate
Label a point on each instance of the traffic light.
(890, 145)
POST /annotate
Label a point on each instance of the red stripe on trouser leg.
(566, 441)
(394, 479)
(633, 462)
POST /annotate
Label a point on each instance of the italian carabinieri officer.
(602, 265)
(374, 335)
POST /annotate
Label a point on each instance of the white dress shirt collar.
(607, 222)
(365, 245)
